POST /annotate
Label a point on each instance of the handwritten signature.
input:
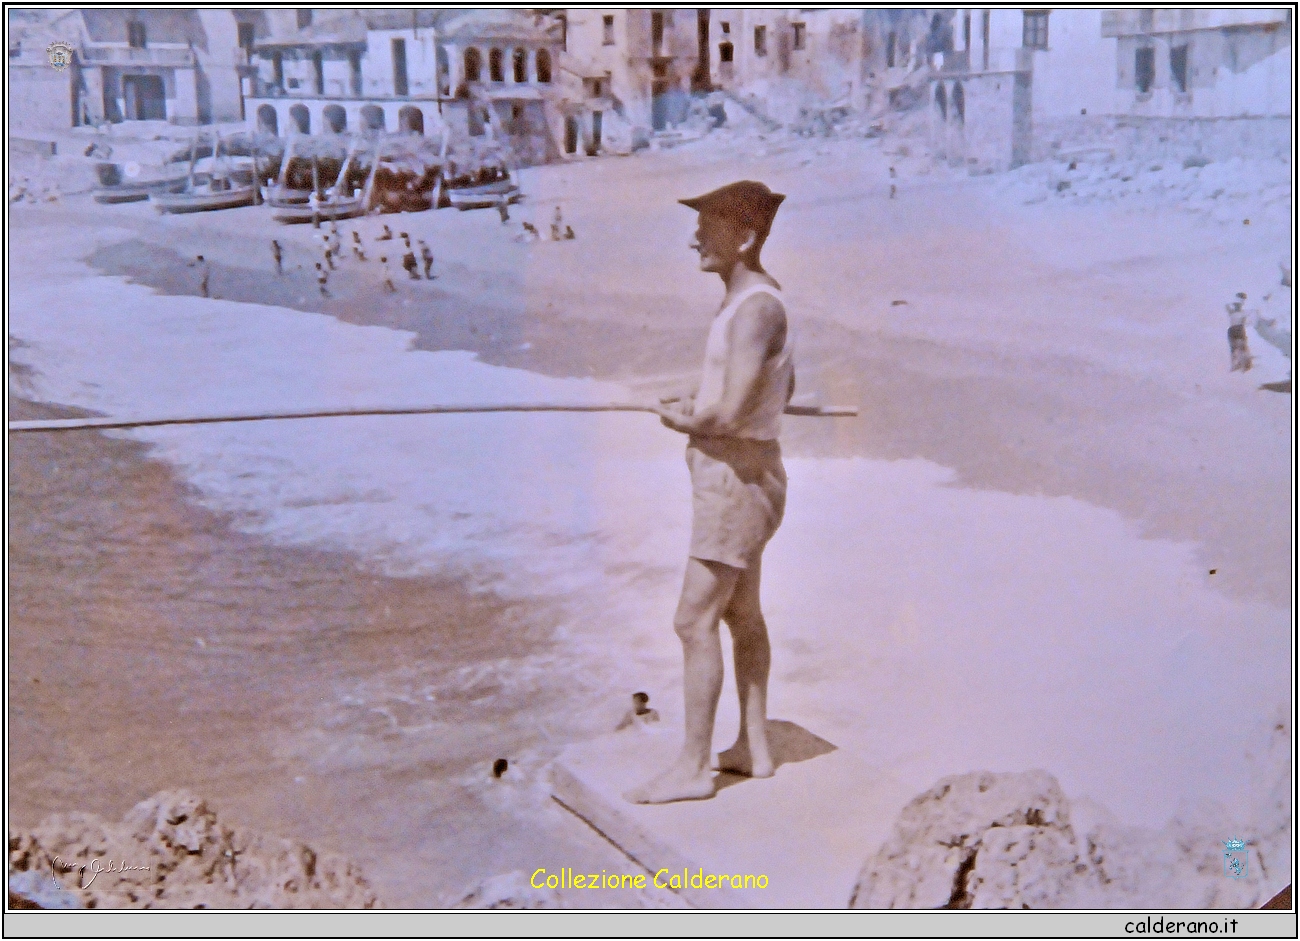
(94, 867)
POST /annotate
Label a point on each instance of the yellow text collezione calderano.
(566, 878)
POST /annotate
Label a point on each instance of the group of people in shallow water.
(560, 232)
(331, 247)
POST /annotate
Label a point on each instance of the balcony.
(173, 56)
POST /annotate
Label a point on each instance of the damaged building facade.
(1011, 86)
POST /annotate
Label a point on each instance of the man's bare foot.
(678, 783)
(738, 760)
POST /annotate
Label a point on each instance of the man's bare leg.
(706, 593)
(751, 754)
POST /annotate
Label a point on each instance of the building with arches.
(468, 72)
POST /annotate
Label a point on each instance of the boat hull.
(482, 197)
(329, 212)
(202, 202)
(136, 192)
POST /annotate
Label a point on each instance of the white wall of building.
(1076, 73)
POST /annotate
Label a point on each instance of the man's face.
(719, 241)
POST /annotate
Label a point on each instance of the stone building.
(628, 73)
(181, 66)
(1009, 86)
(469, 72)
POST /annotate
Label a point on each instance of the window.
(657, 32)
(1178, 67)
(1144, 69)
(543, 66)
(726, 52)
(609, 31)
(800, 35)
(246, 36)
(726, 29)
(1035, 29)
(1146, 20)
(304, 18)
(135, 37)
(496, 68)
(473, 65)
(520, 66)
(760, 40)
(891, 49)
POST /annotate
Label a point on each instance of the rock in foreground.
(170, 851)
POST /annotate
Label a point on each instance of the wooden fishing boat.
(483, 196)
(137, 190)
(335, 205)
(195, 199)
(220, 192)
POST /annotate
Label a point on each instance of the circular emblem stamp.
(59, 54)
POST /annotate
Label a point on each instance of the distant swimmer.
(556, 223)
(388, 275)
(359, 252)
(409, 263)
(386, 235)
(322, 279)
(278, 254)
(503, 209)
(568, 233)
(530, 232)
(639, 714)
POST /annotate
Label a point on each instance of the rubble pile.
(171, 851)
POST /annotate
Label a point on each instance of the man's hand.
(678, 419)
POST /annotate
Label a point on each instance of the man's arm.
(757, 332)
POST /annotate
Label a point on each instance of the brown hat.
(747, 202)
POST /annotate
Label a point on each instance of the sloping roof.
(496, 24)
(178, 26)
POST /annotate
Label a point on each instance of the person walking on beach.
(388, 275)
(557, 231)
(738, 486)
(503, 209)
(411, 266)
(278, 254)
(427, 257)
(204, 274)
(322, 279)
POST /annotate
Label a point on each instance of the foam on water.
(936, 628)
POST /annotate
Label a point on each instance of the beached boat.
(335, 205)
(219, 192)
(195, 199)
(137, 190)
(483, 196)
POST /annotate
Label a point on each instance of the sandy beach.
(1059, 535)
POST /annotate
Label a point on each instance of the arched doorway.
(267, 121)
(473, 65)
(496, 66)
(410, 120)
(335, 118)
(372, 118)
(941, 101)
(543, 66)
(301, 118)
(520, 63)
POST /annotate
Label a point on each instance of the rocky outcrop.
(985, 840)
(171, 851)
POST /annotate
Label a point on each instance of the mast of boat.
(343, 172)
(370, 180)
(284, 167)
(194, 158)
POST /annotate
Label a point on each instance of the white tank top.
(763, 422)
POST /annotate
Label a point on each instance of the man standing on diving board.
(738, 488)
